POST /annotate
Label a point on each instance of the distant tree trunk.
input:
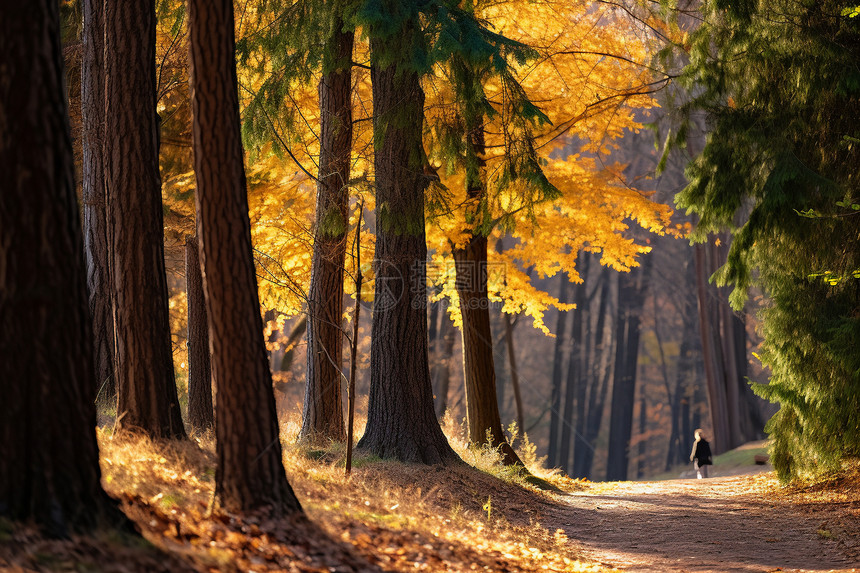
(201, 417)
(442, 382)
(515, 376)
(631, 297)
(734, 413)
(643, 441)
(586, 439)
(295, 335)
(432, 336)
(574, 389)
(470, 264)
(482, 405)
(49, 459)
(94, 198)
(148, 400)
(555, 419)
(502, 376)
(401, 422)
(322, 416)
(250, 472)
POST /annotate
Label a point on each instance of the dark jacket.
(702, 452)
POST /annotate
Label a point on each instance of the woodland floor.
(394, 517)
(737, 523)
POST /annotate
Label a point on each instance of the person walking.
(701, 455)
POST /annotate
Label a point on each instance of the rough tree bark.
(482, 407)
(146, 387)
(250, 471)
(201, 416)
(49, 464)
(322, 416)
(94, 198)
(631, 297)
(470, 266)
(401, 423)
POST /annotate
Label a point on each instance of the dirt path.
(720, 524)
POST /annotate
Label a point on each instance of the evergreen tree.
(780, 84)
(250, 472)
(49, 460)
(146, 386)
(94, 197)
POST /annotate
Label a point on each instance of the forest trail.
(737, 523)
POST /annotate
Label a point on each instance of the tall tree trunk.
(401, 422)
(49, 460)
(502, 373)
(482, 405)
(586, 438)
(250, 471)
(94, 198)
(201, 416)
(631, 297)
(442, 380)
(574, 392)
(147, 397)
(555, 419)
(735, 413)
(515, 375)
(470, 264)
(674, 453)
(322, 416)
(643, 441)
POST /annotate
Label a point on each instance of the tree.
(529, 185)
(201, 416)
(555, 418)
(734, 411)
(49, 468)
(401, 422)
(322, 417)
(250, 472)
(590, 413)
(95, 199)
(147, 396)
(631, 297)
(482, 408)
(574, 393)
(778, 82)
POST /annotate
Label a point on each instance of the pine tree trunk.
(574, 392)
(95, 199)
(599, 387)
(442, 382)
(643, 442)
(555, 418)
(502, 373)
(49, 464)
(146, 387)
(711, 351)
(250, 471)
(201, 416)
(401, 422)
(482, 406)
(515, 375)
(322, 416)
(631, 297)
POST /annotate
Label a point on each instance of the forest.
(440, 285)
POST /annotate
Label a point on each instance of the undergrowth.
(395, 516)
